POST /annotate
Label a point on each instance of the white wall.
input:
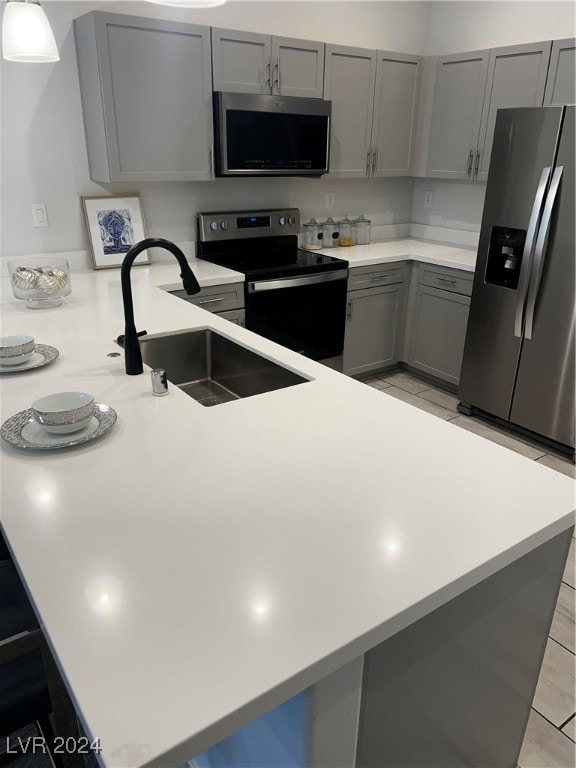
(43, 151)
(469, 26)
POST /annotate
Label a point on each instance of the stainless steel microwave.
(270, 135)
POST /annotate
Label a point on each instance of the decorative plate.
(42, 355)
(22, 431)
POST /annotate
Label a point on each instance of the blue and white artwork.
(116, 230)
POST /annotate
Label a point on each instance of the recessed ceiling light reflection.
(104, 596)
(260, 610)
(392, 547)
(42, 494)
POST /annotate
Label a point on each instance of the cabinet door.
(349, 84)
(373, 329)
(560, 87)
(297, 67)
(516, 78)
(146, 96)
(241, 61)
(437, 332)
(458, 99)
(394, 122)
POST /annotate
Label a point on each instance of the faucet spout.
(132, 354)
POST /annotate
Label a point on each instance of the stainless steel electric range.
(292, 296)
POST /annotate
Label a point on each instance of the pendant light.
(26, 33)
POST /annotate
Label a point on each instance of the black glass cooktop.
(272, 258)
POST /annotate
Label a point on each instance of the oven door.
(306, 313)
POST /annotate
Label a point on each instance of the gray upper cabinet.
(560, 86)
(470, 88)
(374, 98)
(146, 95)
(516, 78)
(458, 99)
(247, 62)
(394, 120)
(349, 84)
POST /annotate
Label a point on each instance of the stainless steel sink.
(213, 369)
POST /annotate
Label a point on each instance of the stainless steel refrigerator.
(519, 353)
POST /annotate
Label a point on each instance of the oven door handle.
(296, 282)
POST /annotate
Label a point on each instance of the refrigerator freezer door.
(544, 394)
(525, 142)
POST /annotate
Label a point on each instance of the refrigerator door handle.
(527, 253)
(540, 249)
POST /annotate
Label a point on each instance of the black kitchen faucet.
(132, 353)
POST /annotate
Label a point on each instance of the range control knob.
(291, 220)
(213, 226)
(282, 221)
(224, 225)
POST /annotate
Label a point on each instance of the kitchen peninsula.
(197, 567)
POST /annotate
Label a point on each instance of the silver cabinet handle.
(368, 162)
(349, 311)
(477, 163)
(211, 301)
(527, 252)
(447, 280)
(269, 77)
(379, 277)
(470, 161)
(540, 250)
(374, 160)
(277, 71)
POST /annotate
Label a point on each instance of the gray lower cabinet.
(227, 301)
(375, 318)
(437, 315)
(146, 88)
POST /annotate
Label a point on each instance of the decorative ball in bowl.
(15, 350)
(64, 412)
(41, 281)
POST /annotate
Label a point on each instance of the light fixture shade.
(26, 33)
(189, 3)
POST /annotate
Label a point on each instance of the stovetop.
(300, 262)
(259, 243)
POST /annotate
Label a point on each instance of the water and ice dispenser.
(505, 256)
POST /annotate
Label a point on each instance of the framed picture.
(114, 225)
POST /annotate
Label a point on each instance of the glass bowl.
(40, 281)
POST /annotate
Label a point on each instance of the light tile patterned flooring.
(551, 733)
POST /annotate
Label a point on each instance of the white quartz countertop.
(197, 566)
(407, 249)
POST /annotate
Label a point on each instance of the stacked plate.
(59, 420)
(21, 353)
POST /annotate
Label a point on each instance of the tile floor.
(551, 733)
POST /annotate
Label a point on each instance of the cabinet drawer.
(373, 276)
(216, 298)
(447, 280)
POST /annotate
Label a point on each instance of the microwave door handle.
(527, 252)
(540, 250)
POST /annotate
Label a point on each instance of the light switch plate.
(39, 215)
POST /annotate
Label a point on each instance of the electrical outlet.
(39, 215)
(329, 201)
(428, 198)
